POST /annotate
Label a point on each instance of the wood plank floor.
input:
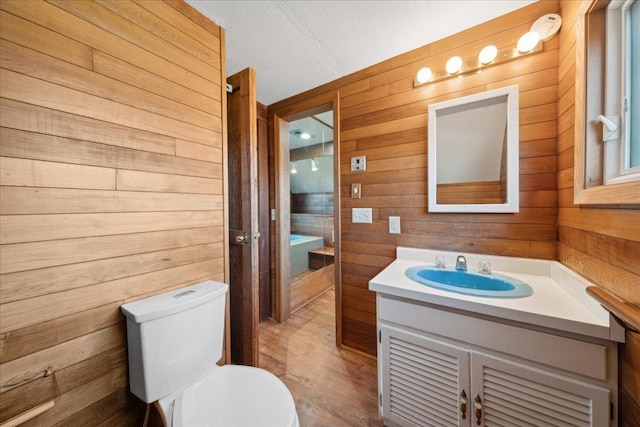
(331, 386)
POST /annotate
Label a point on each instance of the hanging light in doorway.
(293, 168)
(314, 166)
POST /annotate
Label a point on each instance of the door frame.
(281, 119)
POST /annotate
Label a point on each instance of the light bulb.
(528, 41)
(488, 54)
(454, 64)
(305, 135)
(314, 166)
(424, 75)
(293, 168)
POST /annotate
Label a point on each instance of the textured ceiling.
(295, 46)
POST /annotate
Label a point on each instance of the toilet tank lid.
(172, 302)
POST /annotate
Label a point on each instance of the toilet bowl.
(174, 340)
(239, 396)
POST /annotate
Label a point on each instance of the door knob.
(242, 239)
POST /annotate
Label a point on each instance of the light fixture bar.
(473, 64)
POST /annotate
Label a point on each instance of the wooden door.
(243, 218)
(263, 214)
(283, 218)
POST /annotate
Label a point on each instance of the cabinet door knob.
(477, 406)
(463, 404)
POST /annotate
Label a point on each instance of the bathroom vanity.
(449, 359)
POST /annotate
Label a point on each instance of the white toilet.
(174, 342)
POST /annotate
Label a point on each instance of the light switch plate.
(359, 164)
(356, 191)
(394, 224)
(361, 215)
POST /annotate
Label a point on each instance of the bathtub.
(299, 251)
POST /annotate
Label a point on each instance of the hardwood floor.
(331, 386)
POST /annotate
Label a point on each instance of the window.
(607, 103)
(620, 124)
(632, 92)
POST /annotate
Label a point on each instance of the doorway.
(311, 189)
(307, 206)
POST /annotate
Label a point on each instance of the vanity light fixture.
(314, 166)
(528, 41)
(424, 75)
(453, 64)
(488, 54)
(542, 30)
(293, 168)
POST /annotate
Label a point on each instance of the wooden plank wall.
(311, 286)
(383, 117)
(312, 203)
(481, 192)
(112, 187)
(601, 243)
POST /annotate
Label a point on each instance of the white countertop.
(559, 299)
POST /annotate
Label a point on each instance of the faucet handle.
(441, 262)
(484, 267)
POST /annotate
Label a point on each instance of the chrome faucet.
(461, 263)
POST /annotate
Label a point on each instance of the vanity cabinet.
(446, 368)
(428, 381)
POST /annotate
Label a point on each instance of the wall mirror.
(473, 153)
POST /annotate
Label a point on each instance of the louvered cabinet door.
(423, 379)
(514, 394)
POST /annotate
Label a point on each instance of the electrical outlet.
(394, 224)
(361, 215)
(359, 164)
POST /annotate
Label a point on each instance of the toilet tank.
(173, 338)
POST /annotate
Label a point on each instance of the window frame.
(615, 92)
(586, 152)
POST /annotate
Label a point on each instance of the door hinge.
(380, 399)
(380, 336)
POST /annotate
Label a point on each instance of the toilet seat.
(238, 396)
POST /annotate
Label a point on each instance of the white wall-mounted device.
(361, 215)
(359, 164)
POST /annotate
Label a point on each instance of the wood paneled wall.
(601, 243)
(480, 192)
(112, 188)
(312, 203)
(383, 117)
